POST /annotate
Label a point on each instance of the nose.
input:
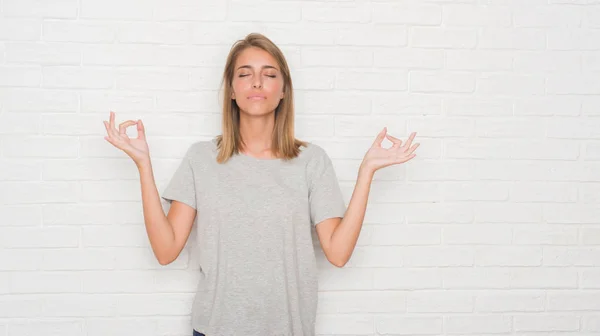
(257, 83)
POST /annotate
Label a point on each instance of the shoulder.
(313, 151)
(199, 151)
(316, 158)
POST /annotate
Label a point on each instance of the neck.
(256, 131)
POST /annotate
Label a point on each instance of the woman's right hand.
(136, 148)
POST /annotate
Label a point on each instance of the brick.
(62, 9)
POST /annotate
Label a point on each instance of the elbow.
(339, 263)
(164, 259)
(164, 262)
(337, 258)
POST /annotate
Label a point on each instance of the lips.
(256, 97)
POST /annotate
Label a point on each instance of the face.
(257, 82)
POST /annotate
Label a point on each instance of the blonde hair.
(284, 143)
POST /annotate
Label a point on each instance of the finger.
(109, 136)
(112, 119)
(379, 138)
(109, 131)
(413, 148)
(410, 139)
(396, 142)
(106, 126)
(405, 158)
(141, 130)
(123, 127)
(111, 125)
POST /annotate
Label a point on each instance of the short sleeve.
(182, 186)
(325, 196)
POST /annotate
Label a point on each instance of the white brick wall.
(494, 228)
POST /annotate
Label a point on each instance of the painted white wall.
(494, 228)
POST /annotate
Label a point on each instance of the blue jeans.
(198, 334)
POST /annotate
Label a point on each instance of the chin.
(257, 110)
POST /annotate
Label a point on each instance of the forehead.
(255, 57)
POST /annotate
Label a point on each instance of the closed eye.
(272, 76)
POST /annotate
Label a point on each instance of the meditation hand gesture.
(378, 157)
(136, 148)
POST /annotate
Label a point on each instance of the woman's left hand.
(378, 157)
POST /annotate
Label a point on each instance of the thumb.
(141, 130)
(380, 137)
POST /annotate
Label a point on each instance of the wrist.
(144, 165)
(365, 170)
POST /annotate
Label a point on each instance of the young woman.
(254, 191)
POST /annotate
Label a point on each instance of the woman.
(254, 191)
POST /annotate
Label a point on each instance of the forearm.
(159, 230)
(344, 237)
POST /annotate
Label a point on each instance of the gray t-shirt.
(254, 217)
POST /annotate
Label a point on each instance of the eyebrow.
(264, 67)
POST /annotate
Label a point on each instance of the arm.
(338, 236)
(167, 234)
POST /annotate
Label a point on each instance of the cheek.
(237, 86)
(274, 88)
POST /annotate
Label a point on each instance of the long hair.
(284, 143)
